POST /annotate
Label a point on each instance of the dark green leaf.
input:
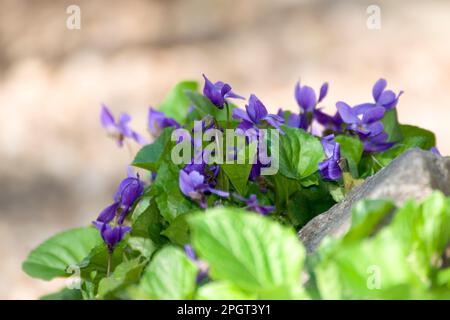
(392, 126)
(178, 230)
(238, 173)
(64, 294)
(151, 155)
(351, 150)
(169, 199)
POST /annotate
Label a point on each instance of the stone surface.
(414, 174)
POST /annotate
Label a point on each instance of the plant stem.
(228, 115)
(108, 270)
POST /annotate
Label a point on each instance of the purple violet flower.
(330, 123)
(119, 130)
(435, 151)
(306, 97)
(194, 186)
(382, 97)
(366, 123)
(202, 266)
(127, 193)
(255, 112)
(218, 92)
(129, 190)
(157, 121)
(111, 235)
(253, 205)
(329, 169)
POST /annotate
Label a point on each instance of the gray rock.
(414, 174)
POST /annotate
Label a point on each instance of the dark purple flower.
(329, 169)
(109, 213)
(363, 122)
(306, 97)
(129, 190)
(366, 123)
(330, 123)
(119, 130)
(218, 92)
(255, 112)
(298, 121)
(377, 142)
(157, 121)
(111, 235)
(194, 186)
(253, 205)
(382, 97)
(202, 266)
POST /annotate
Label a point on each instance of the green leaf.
(238, 173)
(144, 246)
(351, 150)
(170, 276)
(284, 188)
(178, 230)
(94, 266)
(147, 222)
(176, 103)
(401, 260)
(252, 252)
(413, 137)
(126, 273)
(169, 199)
(52, 257)
(151, 155)
(222, 290)
(64, 294)
(307, 203)
(299, 153)
(203, 107)
(417, 137)
(392, 126)
(366, 215)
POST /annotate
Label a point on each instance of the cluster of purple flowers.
(110, 221)
(199, 179)
(363, 121)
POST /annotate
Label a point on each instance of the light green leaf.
(52, 257)
(222, 290)
(125, 274)
(250, 251)
(351, 150)
(170, 276)
(144, 246)
(299, 154)
(176, 103)
(366, 215)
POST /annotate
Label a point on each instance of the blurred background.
(58, 169)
